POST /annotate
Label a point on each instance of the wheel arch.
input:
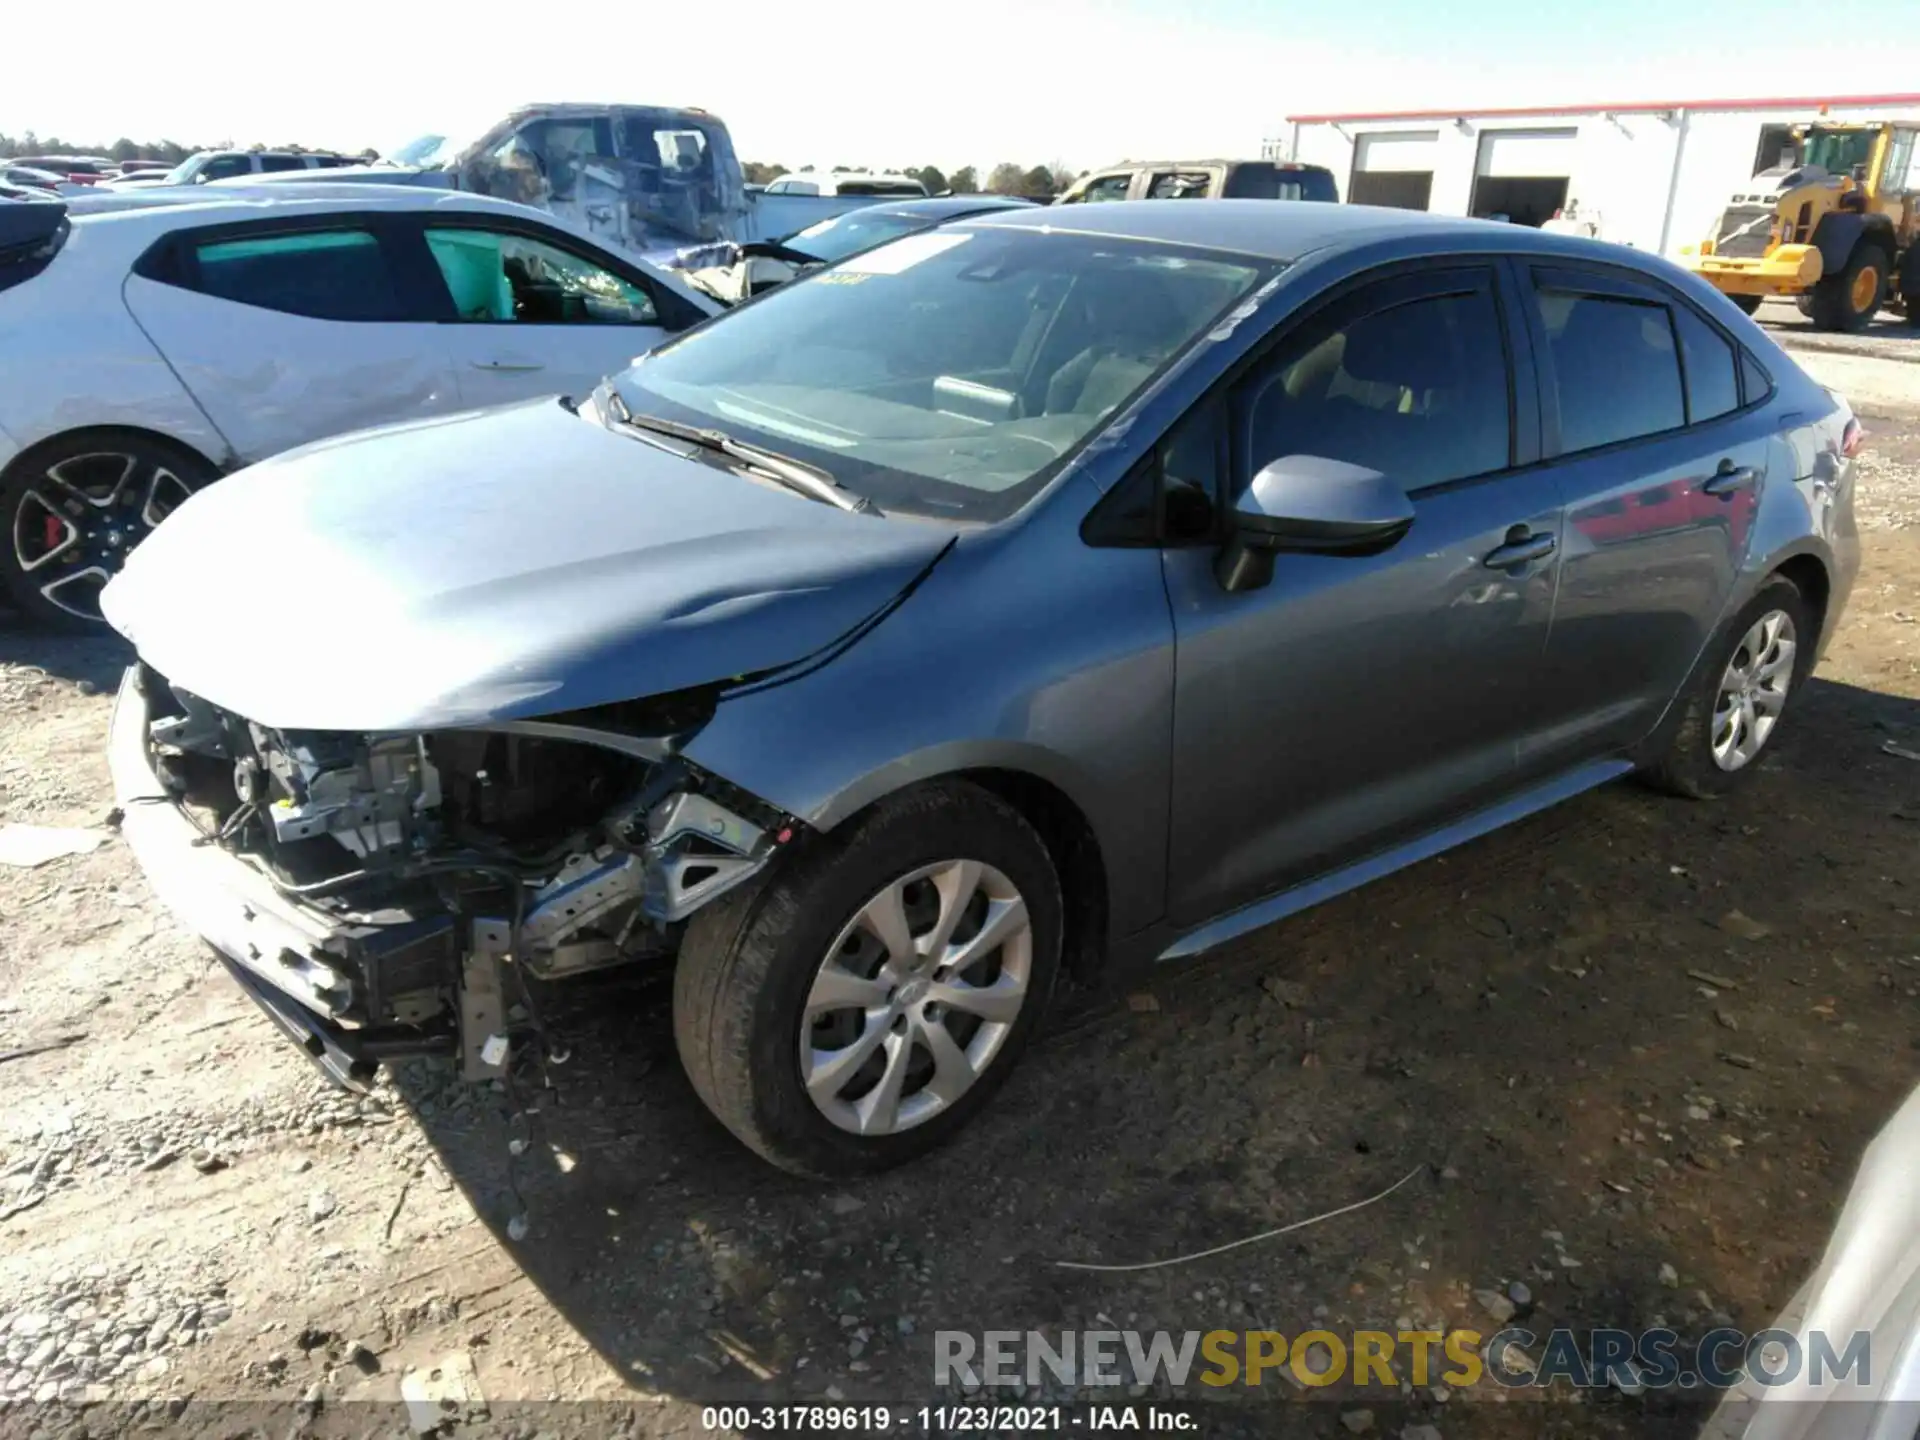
(1038, 784)
(30, 454)
(1810, 576)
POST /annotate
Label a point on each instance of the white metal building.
(1652, 174)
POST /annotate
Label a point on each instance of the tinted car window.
(1415, 390)
(1754, 381)
(222, 167)
(1616, 369)
(327, 275)
(271, 163)
(1713, 383)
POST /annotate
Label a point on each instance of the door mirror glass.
(1310, 503)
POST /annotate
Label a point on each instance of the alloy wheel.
(1753, 690)
(915, 997)
(74, 524)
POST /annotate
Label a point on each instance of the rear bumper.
(294, 960)
(1789, 270)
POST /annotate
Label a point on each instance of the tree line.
(124, 149)
(1038, 182)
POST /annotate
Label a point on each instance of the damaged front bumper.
(403, 970)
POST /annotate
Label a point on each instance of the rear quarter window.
(324, 275)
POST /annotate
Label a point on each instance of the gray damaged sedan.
(1026, 597)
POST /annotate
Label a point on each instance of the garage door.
(1525, 154)
(1393, 167)
(1522, 175)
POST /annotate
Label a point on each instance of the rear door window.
(274, 163)
(323, 274)
(1179, 185)
(1614, 362)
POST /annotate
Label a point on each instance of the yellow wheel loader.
(1834, 226)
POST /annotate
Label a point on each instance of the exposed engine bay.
(442, 863)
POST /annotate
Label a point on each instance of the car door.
(286, 331)
(530, 311)
(1357, 699)
(1661, 455)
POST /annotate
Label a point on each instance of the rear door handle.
(1730, 477)
(508, 365)
(1521, 549)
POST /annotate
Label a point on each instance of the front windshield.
(849, 234)
(183, 173)
(948, 372)
(1838, 151)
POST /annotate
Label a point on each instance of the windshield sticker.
(902, 254)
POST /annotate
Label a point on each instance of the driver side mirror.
(1309, 503)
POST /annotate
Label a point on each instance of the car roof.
(1284, 229)
(150, 211)
(169, 206)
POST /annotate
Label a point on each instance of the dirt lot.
(188, 1213)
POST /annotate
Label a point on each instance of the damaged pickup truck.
(645, 179)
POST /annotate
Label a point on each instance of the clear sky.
(909, 82)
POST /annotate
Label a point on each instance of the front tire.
(1735, 701)
(74, 507)
(1849, 300)
(861, 1005)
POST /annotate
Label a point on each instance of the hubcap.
(74, 525)
(1753, 691)
(915, 997)
(1866, 288)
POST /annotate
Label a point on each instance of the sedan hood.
(496, 565)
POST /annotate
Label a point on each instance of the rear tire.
(834, 1053)
(73, 508)
(1713, 740)
(1910, 283)
(1747, 303)
(1849, 300)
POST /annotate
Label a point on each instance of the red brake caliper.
(53, 533)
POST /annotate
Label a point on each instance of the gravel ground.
(194, 1228)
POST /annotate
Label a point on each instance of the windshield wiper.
(796, 475)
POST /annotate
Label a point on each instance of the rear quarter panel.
(72, 358)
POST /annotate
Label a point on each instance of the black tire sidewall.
(798, 916)
(26, 470)
(1688, 764)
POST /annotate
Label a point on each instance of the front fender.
(1839, 231)
(1025, 650)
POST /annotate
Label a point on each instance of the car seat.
(1131, 322)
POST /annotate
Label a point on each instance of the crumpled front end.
(384, 895)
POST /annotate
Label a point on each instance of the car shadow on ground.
(1628, 1034)
(94, 659)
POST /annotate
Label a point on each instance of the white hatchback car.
(152, 340)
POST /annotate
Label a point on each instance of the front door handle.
(1522, 548)
(1730, 477)
(508, 365)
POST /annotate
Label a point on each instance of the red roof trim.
(1629, 107)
